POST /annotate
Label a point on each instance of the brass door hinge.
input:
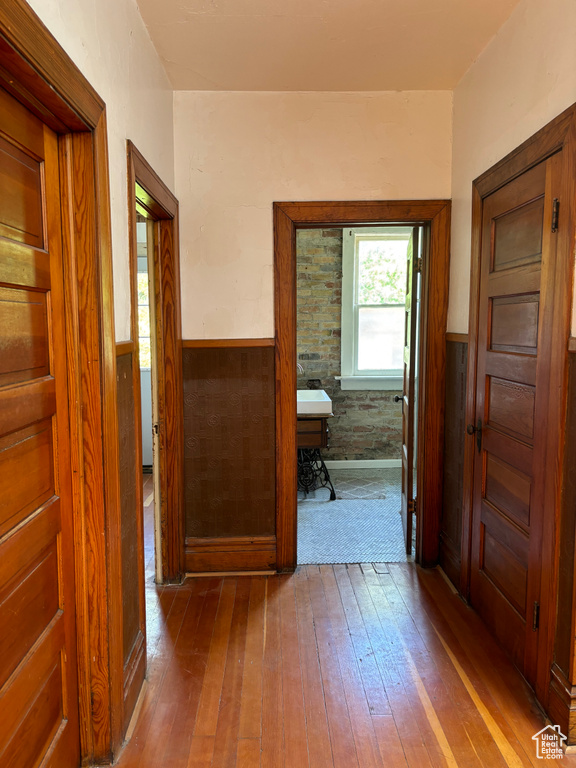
(419, 265)
(555, 209)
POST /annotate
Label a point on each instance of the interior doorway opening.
(434, 216)
(357, 360)
(156, 331)
(148, 364)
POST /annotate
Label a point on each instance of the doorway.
(155, 323)
(147, 357)
(358, 299)
(288, 219)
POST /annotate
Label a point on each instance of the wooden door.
(38, 684)
(409, 389)
(514, 341)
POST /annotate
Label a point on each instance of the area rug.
(359, 484)
(350, 531)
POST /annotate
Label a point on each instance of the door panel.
(21, 195)
(513, 337)
(409, 389)
(38, 686)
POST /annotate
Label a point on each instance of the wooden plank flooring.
(356, 666)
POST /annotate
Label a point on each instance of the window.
(143, 294)
(373, 312)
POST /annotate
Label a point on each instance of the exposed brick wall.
(366, 424)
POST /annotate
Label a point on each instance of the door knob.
(477, 430)
(397, 398)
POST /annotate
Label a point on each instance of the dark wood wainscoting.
(229, 455)
(562, 702)
(454, 432)
(133, 605)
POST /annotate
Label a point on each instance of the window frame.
(350, 376)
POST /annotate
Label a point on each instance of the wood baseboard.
(239, 553)
(562, 703)
(450, 560)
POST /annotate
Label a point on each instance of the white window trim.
(350, 377)
(371, 382)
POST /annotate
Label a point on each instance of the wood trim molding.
(288, 217)
(145, 187)
(44, 71)
(226, 343)
(125, 348)
(333, 214)
(104, 335)
(160, 201)
(469, 446)
(562, 703)
(559, 136)
(541, 145)
(37, 71)
(457, 338)
(240, 553)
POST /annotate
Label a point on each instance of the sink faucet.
(300, 368)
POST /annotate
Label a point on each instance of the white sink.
(313, 401)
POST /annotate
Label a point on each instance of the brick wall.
(366, 424)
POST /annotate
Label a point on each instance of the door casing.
(435, 216)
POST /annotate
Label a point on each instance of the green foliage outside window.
(382, 272)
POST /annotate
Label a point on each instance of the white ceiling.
(320, 45)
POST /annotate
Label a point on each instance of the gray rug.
(360, 484)
(358, 531)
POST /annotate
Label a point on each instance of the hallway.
(372, 665)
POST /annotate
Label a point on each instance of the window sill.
(370, 382)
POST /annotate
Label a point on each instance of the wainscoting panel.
(133, 617)
(229, 457)
(126, 430)
(454, 433)
(562, 703)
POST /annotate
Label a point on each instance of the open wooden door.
(409, 388)
(510, 430)
(38, 663)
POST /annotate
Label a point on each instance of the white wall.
(109, 43)
(238, 152)
(523, 79)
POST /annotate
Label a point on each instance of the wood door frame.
(558, 136)
(163, 207)
(290, 216)
(36, 70)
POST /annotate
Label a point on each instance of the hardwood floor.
(346, 666)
